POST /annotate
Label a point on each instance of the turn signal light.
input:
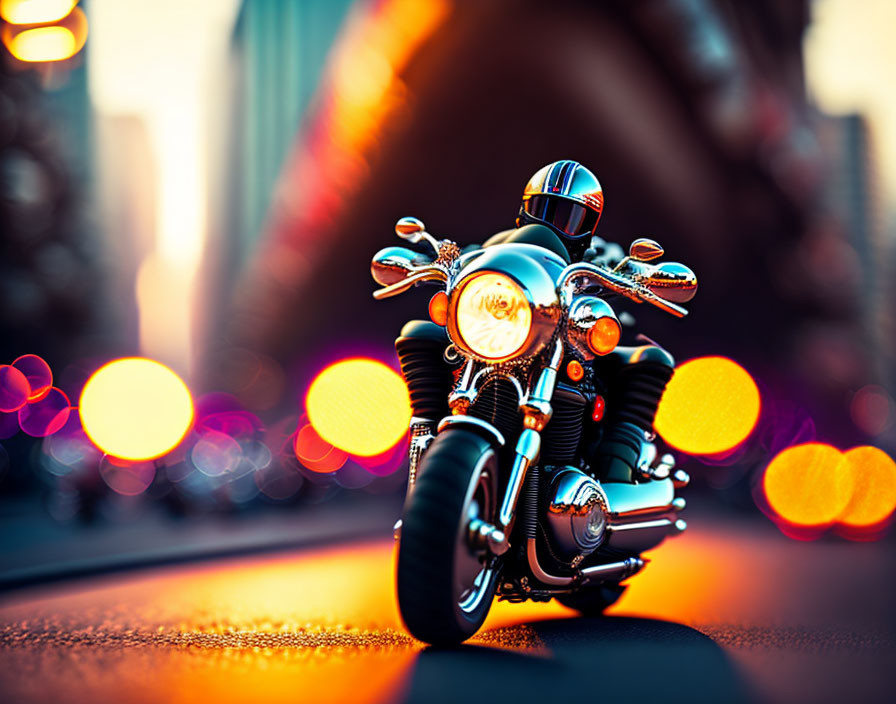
(438, 308)
(575, 371)
(604, 335)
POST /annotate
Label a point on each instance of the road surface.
(729, 612)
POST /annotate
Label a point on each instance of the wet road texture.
(729, 612)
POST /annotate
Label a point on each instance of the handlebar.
(617, 283)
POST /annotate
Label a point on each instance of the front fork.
(536, 409)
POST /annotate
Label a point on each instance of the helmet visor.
(571, 218)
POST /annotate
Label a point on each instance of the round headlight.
(493, 316)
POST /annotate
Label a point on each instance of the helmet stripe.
(567, 175)
(550, 181)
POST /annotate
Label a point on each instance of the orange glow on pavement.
(136, 408)
(710, 406)
(873, 497)
(808, 485)
(359, 405)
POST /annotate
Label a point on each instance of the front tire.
(445, 588)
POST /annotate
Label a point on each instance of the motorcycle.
(500, 499)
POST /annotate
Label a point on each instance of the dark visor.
(566, 215)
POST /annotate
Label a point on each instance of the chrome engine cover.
(577, 514)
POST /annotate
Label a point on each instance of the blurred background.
(204, 184)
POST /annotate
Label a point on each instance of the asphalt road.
(729, 612)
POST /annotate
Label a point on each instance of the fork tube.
(536, 408)
(528, 448)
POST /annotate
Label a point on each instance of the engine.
(577, 515)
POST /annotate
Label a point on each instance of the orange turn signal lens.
(438, 308)
(604, 335)
(575, 371)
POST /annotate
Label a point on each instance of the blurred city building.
(693, 114)
(213, 200)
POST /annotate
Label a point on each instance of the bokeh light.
(69, 451)
(55, 42)
(43, 44)
(873, 498)
(14, 389)
(315, 453)
(216, 453)
(353, 476)
(871, 409)
(35, 11)
(136, 408)
(388, 462)
(278, 482)
(710, 406)
(46, 416)
(257, 454)
(237, 424)
(38, 374)
(359, 405)
(125, 477)
(808, 485)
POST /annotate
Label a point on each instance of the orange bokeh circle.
(710, 406)
(359, 405)
(873, 498)
(808, 485)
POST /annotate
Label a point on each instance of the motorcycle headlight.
(493, 316)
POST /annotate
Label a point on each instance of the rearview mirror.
(394, 264)
(645, 250)
(672, 281)
(410, 229)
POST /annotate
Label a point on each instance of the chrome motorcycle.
(500, 499)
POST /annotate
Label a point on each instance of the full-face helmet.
(568, 198)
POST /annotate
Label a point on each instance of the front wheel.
(445, 586)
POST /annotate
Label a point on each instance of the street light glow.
(710, 406)
(136, 409)
(359, 405)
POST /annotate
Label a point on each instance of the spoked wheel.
(593, 601)
(445, 582)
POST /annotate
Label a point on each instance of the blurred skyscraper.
(278, 51)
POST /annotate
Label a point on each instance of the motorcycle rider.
(561, 207)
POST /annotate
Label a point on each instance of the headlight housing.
(504, 305)
(493, 316)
